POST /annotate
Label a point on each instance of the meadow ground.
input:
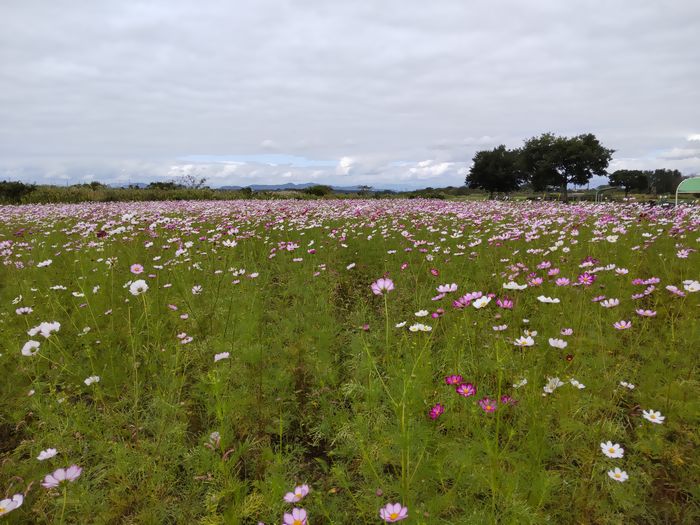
(473, 362)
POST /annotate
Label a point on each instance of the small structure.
(691, 185)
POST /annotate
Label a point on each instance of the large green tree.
(497, 170)
(630, 180)
(664, 180)
(555, 162)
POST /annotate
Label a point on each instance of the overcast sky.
(385, 93)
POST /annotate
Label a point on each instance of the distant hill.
(288, 186)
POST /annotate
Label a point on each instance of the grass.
(321, 387)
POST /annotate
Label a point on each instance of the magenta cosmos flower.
(382, 285)
(299, 493)
(453, 379)
(297, 517)
(487, 405)
(466, 389)
(60, 475)
(623, 325)
(436, 411)
(393, 512)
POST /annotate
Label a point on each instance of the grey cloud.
(112, 86)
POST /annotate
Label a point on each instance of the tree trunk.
(565, 192)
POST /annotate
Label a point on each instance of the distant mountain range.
(261, 187)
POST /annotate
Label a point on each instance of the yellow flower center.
(393, 515)
(297, 522)
(611, 450)
(618, 474)
(653, 416)
(2, 510)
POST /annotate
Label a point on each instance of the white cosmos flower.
(447, 288)
(222, 355)
(558, 343)
(42, 264)
(545, 299)
(401, 324)
(520, 383)
(8, 505)
(654, 417)
(421, 313)
(420, 327)
(481, 302)
(92, 379)
(691, 286)
(138, 287)
(578, 385)
(552, 384)
(47, 454)
(512, 285)
(618, 475)
(612, 450)
(610, 303)
(627, 385)
(45, 329)
(30, 348)
(524, 341)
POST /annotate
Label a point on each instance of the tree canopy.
(555, 162)
(497, 170)
(630, 180)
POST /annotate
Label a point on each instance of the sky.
(390, 93)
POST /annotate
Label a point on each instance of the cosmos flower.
(577, 384)
(610, 303)
(447, 288)
(623, 325)
(612, 450)
(382, 285)
(618, 475)
(138, 287)
(196, 289)
(220, 356)
(436, 411)
(10, 504)
(297, 517)
(520, 383)
(466, 389)
(47, 454)
(523, 341)
(60, 475)
(92, 379)
(393, 512)
(545, 299)
(297, 494)
(654, 417)
(481, 302)
(136, 269)
(552, 384)
(421, 313)
(512, 285)
(420, 327)
(488, 405)
(625, 384)
(566, 331)
(558, 343)
(30, 348)
(45, 329)
(645, 313)
(24, 310)
(454, 379)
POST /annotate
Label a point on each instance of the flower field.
(349, 361)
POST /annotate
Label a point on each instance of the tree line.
(550, 162)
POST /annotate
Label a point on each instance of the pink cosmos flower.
(436, 411)
(60, 475)
(454, 379)
(646, 313)
(297, 517)
(466, 389)
(487, 405)
(393, 512)
(567, 331)
(435, 272)
(136, 269)
(562, 281)
(623, 325)
(382, 285)
(586, 278)
(297, 495)
(505, 303)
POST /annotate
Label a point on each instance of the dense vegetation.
(194, 362)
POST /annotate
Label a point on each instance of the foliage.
(498, 170)
(319, 190)
(630, 180)
(552, 161)
(14, 191)
(324, 385)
